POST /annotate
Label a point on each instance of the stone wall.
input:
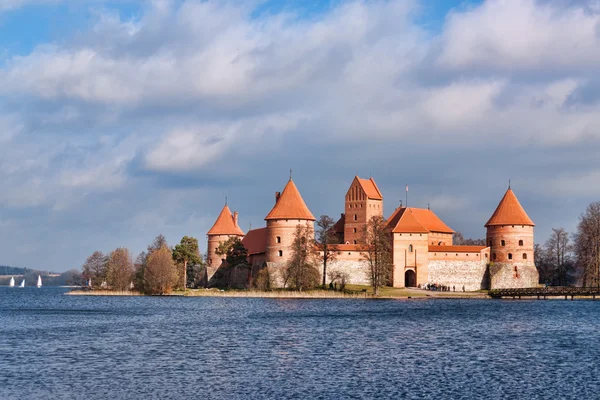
(356, 271)
(454, 273)
(513, 275)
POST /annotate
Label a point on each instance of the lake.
(54, 346)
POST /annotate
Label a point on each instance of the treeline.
(68, 278)
(158, 270)
(572, 258)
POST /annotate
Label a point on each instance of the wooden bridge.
(545, 292)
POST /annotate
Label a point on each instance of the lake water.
(54, 346)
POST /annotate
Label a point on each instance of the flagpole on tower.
(406, 196)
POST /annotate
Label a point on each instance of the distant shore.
(387, 293)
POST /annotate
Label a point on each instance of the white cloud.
(94, 122)
(521, 35)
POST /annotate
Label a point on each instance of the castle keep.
(422, 244)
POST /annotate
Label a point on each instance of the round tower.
(289, 212)
(510, 238)
(225, 227)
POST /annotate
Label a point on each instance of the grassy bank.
(103, 293)
(351, 292)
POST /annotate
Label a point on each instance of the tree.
(160, 273)
(558, 256)
(95, 268)
(378, 253)
(300, 271)
(139, 266)
(326, 237)
(459, 240)
(186, 253)
(544, 267)
(587, 244)
(120, 269)
(236, 256)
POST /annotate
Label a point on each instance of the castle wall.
(359, 209)
(440, 239)
(461, 256)
(214, 260)
(280, 236)
(518, 242)
(456, 273)
(404, 259)
(513, 275)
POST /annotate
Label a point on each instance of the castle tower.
(510, 238)
(363, 202)
(225, 226)
(288, 212)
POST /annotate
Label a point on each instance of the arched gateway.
(410, 278)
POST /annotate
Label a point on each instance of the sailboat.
(39, 283)
(12, 282)
(22, 283)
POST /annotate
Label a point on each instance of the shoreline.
(403, 294)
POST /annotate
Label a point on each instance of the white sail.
(39, 283)
(22, 283)
(12, 282)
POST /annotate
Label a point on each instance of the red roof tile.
(255, 241)
(416, 220)
(370, 188)
(430, 221)
(349, 247)
(339, 225)
(225, 224)
(457, 249)
(290, 205)
(509, 212)
(404, 221)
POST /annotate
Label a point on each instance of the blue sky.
(120, 120)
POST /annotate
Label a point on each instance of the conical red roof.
(290, 205)
(225, 224)
(509, 212)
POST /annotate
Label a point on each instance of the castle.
(422, 244)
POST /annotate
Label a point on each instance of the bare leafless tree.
(300, 272)
(325, 240)
(587, 244)
(120, 269)
(558, 251)
(378, 253)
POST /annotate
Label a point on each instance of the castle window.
(278, 239)
(280, 253)
(410, 248)
(520, 243)
(510, 256)
(355, 217)
(503, 243)
(486, 256)
(355, 242)
(354, 230)
(524, 256)
(439, 243)
(494, 256)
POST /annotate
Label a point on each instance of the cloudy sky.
(120, 120)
